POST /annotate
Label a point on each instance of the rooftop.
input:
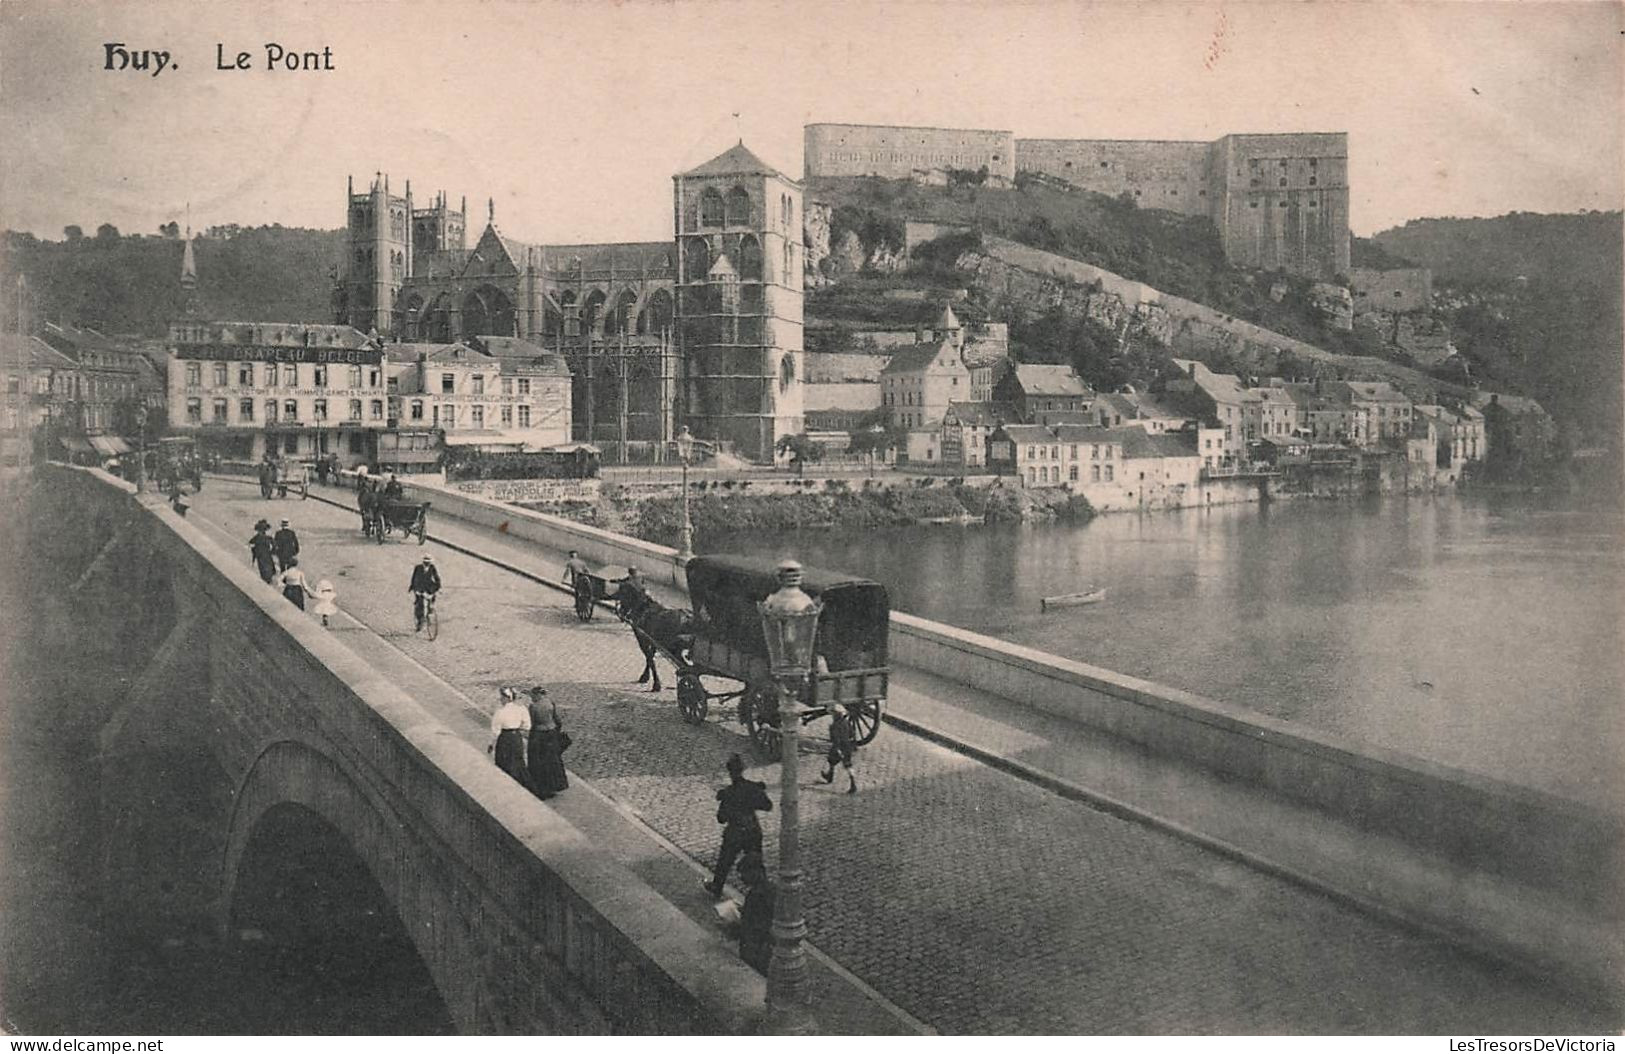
(1049, 380)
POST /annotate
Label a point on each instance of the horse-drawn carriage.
(387, 515)
(722, 639)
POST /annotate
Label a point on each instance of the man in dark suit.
(737, 806)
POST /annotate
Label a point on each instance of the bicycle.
(429, 620)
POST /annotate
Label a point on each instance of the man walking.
(286, 544)
(267, 478)
(737, 806)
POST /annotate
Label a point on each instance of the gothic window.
(750, 259)
(696, 259)
(738, 208)
(787, 372)
(592, 311)
(711, 208)
(655, 319)
(621, 316)
(788, 259)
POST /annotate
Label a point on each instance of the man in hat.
(263, 551)
(737, 806)
(286, 544)
(393, 488)
(425, 583)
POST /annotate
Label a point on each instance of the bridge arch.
(292, 775)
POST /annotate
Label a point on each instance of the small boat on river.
(1070, 600)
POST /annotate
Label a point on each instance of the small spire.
(491, 210)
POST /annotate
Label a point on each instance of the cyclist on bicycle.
(425, 583)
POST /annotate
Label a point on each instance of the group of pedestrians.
(277, 555)
(528, 742)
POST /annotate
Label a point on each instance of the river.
(1478, 632)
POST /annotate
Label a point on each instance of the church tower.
(739, 261)
(377, 252)
(189, 297)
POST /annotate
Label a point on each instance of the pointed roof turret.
(737, 160)
(722, 270)
(188, 264)
(947, 320)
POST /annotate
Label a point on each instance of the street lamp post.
(141, 447)
(790, 626)
(685, 538)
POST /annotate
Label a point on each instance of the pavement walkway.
(975, 898)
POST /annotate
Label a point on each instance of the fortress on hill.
(1277, 200)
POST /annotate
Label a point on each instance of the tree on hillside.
(170, 229)
(72, 232)
(107, 233)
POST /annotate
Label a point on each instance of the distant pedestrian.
(843, 745)
(574, 566)
(326, 600)
(509, 727)
(263, 550)
(267, 479)
(548, 742)
(737, 806)
(321, 471)
(295, 587)
(286, 544)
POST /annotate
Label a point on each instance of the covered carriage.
(727, 642)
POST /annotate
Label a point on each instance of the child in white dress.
(326, 600)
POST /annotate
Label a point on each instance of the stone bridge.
(288, 743)
(250, 766)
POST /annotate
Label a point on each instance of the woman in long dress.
(509, 727)
(548, 742)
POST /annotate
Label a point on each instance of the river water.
(1481, 633)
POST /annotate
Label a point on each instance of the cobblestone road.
(975, 901)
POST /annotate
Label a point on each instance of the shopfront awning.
(77, 445)
(482, 438)
(112, 446)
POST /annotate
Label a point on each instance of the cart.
(294, 476)
(725, 642)
(589, 588)
(392, 514)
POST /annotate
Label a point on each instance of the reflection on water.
(1483, 635)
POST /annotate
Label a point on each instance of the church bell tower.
(739, 304)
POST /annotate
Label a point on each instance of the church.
(703, 331)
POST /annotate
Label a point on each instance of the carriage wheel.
(865, 721)
(692, 701)
(379, 529)
(762, 721)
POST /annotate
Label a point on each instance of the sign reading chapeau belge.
(265, 353)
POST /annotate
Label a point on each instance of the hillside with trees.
(131, 283)
(1534, 304)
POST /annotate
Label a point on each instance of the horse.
(654, 626)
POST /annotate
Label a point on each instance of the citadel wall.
(895, 152)
(1283, 202)
(1160, 174)
(1399, 290)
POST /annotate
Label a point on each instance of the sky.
(572, 116)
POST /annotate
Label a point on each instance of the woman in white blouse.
(510, 726)
(295, 586)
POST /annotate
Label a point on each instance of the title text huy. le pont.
(272, 58)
